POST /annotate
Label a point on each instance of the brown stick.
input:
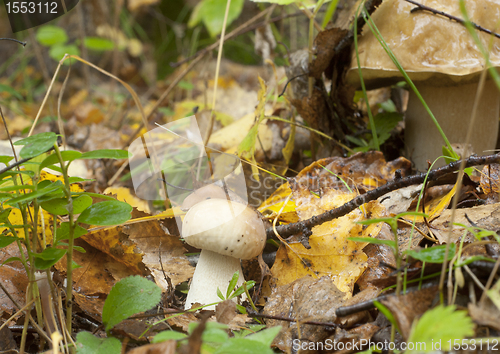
(421, 7)
(295, 228)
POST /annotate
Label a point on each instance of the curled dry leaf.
(409, 307)
(485, 216)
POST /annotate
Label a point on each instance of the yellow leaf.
(271, 207)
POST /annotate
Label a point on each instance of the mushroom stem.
(452, 107)
(212, 271)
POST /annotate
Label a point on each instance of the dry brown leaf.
(305, 299)
(485, 216)
(407, 308)
(14, 279)
(163, 253)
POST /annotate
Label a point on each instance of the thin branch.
(253, 314)
(295, 228)
(421, 7)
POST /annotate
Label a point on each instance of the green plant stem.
(363, 88)
(69, 254)
(329, 13)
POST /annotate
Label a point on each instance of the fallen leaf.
(306, 299)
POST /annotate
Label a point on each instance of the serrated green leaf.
(106, 213)
(86, 343)
(59, 206)
(105, 154)
(385, 123)
(432, 254)
(128, 297)
(50, 35)
(443, 324)
(36, 144)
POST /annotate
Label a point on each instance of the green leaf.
(385, 123)
(62, 232)
(250, 284)
(243, 346)
(6, 240)
(265, 336)
(59, 206)
(211, 13)
(57, 52)
(232, 284)
(41, 192)
(98, 44)
(48, 257)
(214, 332)
(68, 155)
(49, 35)
(86, 343)
(79, 179)
(494, 294)
(373, 240)
(106, 213)
(36, 144)
(432, 254)
(387, 313)
(105, 154)
(219, 294)
(4, 214)
(128, 297)
(8, 89)
(168, 335)
(12, 259)
(442, 324)
(16, 188)
(5, 159)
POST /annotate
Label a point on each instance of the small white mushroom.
(225, 232)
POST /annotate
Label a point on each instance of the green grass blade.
(389, 52)
(370, 116)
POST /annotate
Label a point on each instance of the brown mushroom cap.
(430, 48)
(224, 227)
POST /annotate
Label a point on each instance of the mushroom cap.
(224, 227)
(430, 48)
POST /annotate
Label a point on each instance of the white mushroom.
(444, 62)
(225, 232)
